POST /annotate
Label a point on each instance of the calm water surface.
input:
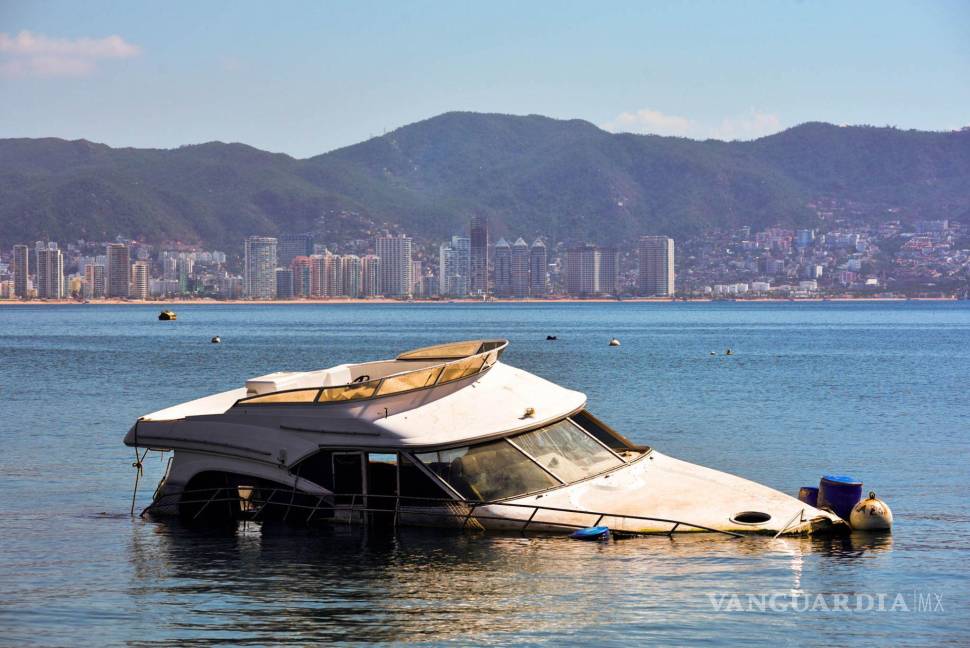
(881, 391)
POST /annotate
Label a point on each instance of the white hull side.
(662, 487)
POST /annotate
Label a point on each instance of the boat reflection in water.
(272, 583)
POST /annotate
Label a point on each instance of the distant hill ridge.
(531, 175)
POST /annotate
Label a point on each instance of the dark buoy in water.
(728, 352)
(167, 315)
(216, 339)
(614, 342)
(591, 533)
(714, 353)
(551, 337)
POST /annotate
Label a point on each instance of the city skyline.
(774, 262)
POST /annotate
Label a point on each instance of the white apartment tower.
(395, 268)
(454, 267)
(370, 275)
(657, 266)
(50, 271)
(139, 280)
(260, 269)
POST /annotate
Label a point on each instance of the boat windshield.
(567, 451)
(557, 454)
(489, 471)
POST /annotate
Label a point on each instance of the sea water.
(876, 390)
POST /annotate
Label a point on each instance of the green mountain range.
(532, 175)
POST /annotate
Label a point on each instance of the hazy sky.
(306, 77)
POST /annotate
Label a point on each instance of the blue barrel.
(840, 493)
(808, 495)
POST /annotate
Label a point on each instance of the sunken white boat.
(441, 436)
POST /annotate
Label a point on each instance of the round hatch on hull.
(750, 517)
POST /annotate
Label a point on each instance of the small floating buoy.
(728, 352)
(871, 514)
(551, 337)
(167, 315)
(216, 339)
(591, 533)
(713, 353)
(614, 342)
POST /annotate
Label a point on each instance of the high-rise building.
(335, 275)
(229, 287)
(301, 267)
(184, 269)
(169, 266)
(353, 282)
(538, 269)
(418, 279)
(503, 268)
(94, 281)
(139, 280)
(591, 270)
(21, 269)
(657, 266)
(520, 268)
(454, 267)
(478, 255)
(370, 275)
(609, 262)
(259, 276)
(395, 268)
(284, 283)
(326, 275)
(318, 275)
(292, 246)
(50, 271)
(581, 270)
(119, 270)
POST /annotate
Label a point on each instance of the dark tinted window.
(602, 432)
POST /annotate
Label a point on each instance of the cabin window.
(490, 471)
(417, 488)
(566, 451)
(604, 433)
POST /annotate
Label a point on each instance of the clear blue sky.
(307, 77)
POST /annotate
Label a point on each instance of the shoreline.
(384, 301)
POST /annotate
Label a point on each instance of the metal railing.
(251, 508)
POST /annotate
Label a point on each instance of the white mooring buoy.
(614, 342)
(871, 514)
(216, 339)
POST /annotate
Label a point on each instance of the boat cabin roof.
(435, 397)
(413, 399)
